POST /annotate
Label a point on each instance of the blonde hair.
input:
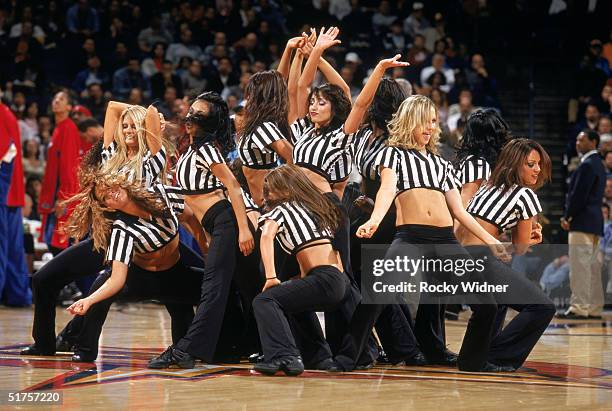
(120, 159)
(413, 114)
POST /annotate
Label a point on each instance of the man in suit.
(584, 220)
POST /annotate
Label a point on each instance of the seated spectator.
(18, 105)
(395, 41)
(480, 82)
(96, 101)
(28, 125)
(223, 77)
(165, 78)
(608, 162)
(416, 23)
(555, 274)
(608, 192)
(167, 105)
(247, 48)
(33, 165)
(82, 19)
(604, 101)
(238, 89)
(91, 131)
(135, 97)
(153, 34)
(26, 18)
(461, 110)
(604, 126)
(44, 133)
(79, 112)
(590, 121)
(127, 78)
(439, 98)
(193, 81)
(33, 188)
(153, 64)
(348, 76)
(435, 33)
(383, 18)
(596, 49)
(438, 65)
(184, 48)
(92, 74)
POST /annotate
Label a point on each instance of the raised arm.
(245, 238)
(333, 77)
(363, 101)
(153, 130)
(111, 119)
(111, 287)
(285, 62)
(292, 85)
(324, 41)
(266, 246)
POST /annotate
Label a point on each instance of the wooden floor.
(571, 369)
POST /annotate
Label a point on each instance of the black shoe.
(172, 357)
(255, 358)
(594, 317)
(61, 345)
(81, 357)
(68, 295)
(418, 360)
(291, 366)
(33, 350)
(489, 367)
(570, 315)
(383, 358)
(328, 365)
(362, 367)
(449, 359)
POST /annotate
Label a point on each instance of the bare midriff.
(422, 206)
(160, 260)
(255, 179)
(201, 203)
(317, 255)
(318, 180)
(465, 237)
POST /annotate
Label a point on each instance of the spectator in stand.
(18, 106)
(416, 23)
(417, 56)
(135, 98)
(348, 76)
(88, 50)
(167, 105)
(96, 101)
(82, 19)
(608, 163)
(604, 101)
(224, 77)
(438, 66)
(590, 121)
(439, 98)
(395, 41)
(79, 113)
(33, 165)
(153, 64)
(247, 48)
(14, 278)
(435, 33)
(184, 48)
(604, 126)
(33, 188)
(164, 79)
(589, 81)
(583, 219)
(595, 50)
(92, 74)
(482, 85)
(153, 34)
(26, 18)
(460, 111)
(90, 131)
(193, 81)
(383, 18)
(44, 133)
(238, 89)
(608, 191)
(118, 59)
(127, 78)
(28, 125)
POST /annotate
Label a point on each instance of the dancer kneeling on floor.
(303, 220)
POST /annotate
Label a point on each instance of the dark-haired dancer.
(426, 197)
(303, 220)
(266, 131)
(507, 202)
(203, 176)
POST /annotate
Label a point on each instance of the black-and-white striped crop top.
(131, 234)
(504, 210)
(296, 226)
(328, 154)
(474, 168)
(418, 170)
(254, 149)
(193, 170)
(249, 203)
(366, 153)
(152, 165)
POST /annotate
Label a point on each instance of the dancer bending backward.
(137, 228)
(303, 221)
(266, 129)
(394, 327)
(133, 146)
(203, 176)
(507, 202)
(426, 198)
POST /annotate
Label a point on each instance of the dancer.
(507, 202)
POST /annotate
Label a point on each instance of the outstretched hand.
(393, 62)
(327, 38)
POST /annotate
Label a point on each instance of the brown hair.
(340, 105)
(292, 184)
(267, 100)
(92, 215)
(512, 156)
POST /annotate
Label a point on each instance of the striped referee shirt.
(249, 203)
(131, 234)
(254, 149)
(417, 170)
(366, 152)
(296, 226)
(328, 154)
(474, 168)
(507, 209)
(152, 165)
(193, 170)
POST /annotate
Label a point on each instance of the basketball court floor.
(570, 368)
